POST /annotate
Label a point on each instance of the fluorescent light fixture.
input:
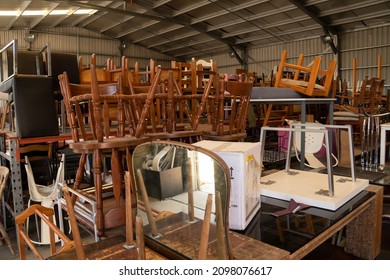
(59, 12)
(34, 13)
(9, 13)
(85, 12)
(44, 12)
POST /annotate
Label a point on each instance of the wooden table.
(363, 229)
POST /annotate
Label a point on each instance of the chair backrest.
(103, 102)
(102, 75)
(114, 72)
(203, 70)
(32, 187)
(29, 62)
(146, 76)
(61, 62)
(237, 95)
(35, 195)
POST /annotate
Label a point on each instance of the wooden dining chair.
(308, 86)
(115, 248)
(179, 116)
(99, 136)
(230, 121)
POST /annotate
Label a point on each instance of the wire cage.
(275, 149)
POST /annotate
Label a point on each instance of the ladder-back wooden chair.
(309, 87)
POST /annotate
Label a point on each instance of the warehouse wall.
(83, 43)
(365, 46)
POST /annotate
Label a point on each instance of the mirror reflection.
(183, 193)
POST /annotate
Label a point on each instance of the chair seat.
(47, 191)
(109, 143)
(300, 83)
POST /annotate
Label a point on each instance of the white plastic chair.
(45, 195)
(314, 141)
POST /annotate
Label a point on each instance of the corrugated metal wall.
(365, 46)
(83, 43)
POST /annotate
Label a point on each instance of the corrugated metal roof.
(183, 29)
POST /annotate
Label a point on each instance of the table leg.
(303, 121)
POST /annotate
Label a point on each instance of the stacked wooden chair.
(100, 135)
(308, 86)
(228, 120)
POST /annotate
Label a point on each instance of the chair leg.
(4, 233)
(36, 225)
(204, 239)
(139, 229)
(222, 239)
(148, 208)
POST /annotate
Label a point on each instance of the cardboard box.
(243, 160)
